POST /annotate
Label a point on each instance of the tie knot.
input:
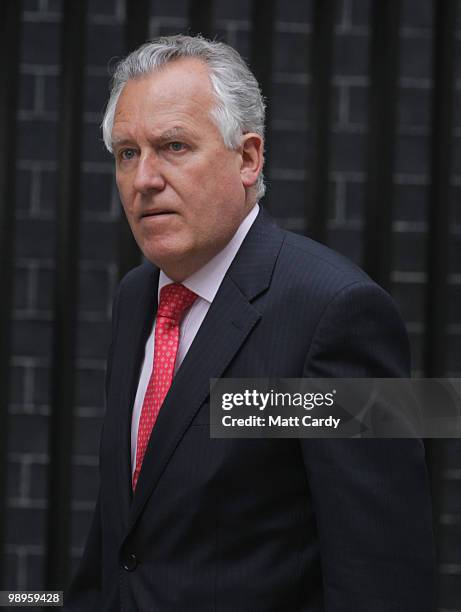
(175, 299)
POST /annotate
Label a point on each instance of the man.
(188, 523)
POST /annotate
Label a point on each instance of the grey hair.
(239, 106)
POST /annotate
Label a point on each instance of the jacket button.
(130, 562)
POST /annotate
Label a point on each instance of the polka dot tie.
(174, 301)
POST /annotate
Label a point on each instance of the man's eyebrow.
(115, 142)
(172, 133)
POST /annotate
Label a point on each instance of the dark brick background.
(288, 147)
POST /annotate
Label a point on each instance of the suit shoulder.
(317, 255)
(309, 271)
(320, 259)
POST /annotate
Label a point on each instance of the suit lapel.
(137, 332)
(228, 323)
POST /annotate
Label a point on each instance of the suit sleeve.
(371, 496)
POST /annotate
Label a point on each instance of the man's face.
(184, 193)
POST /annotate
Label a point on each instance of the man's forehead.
(184, 74)
(167, 90)
(167, 102)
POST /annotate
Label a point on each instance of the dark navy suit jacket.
(266, 525)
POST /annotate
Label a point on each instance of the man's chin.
(173, 262)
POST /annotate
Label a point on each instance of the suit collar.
(138, 326)
(252, 268)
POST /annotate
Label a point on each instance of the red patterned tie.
(174, 301)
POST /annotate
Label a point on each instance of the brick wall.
(288, 149)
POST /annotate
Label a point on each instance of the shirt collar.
(206, 281)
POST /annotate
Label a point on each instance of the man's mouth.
(156, 213)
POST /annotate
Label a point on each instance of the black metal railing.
(384, 58)
(438, 256)
(66, 294)
(10, 31)
(319, 117)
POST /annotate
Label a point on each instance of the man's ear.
(252, 149)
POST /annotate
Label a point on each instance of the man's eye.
(176, 147)
(127, 154)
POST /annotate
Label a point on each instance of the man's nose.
(148, 174)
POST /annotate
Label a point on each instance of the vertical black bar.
(136, 33)
(136, 23)
(66, 280)
(261, 56)
(440, 192)
(438, 256)
(320, 116)
(384, 56)
(10, 26)
(201, 17)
